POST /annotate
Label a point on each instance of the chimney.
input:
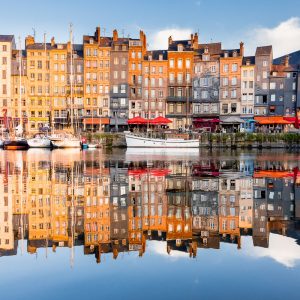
(195, 41)
(143, 39)
(286, 61)
(192, 38)
(97, 35)
(29, 40)
(115, 35)
(241, 49)
(52, 41)
(170, 41)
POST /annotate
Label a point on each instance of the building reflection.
(110, 205)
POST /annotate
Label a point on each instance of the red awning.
(215, 120)
(137, 120)
(96, 121)
(160, 121)
(272, 120)
(153, 172)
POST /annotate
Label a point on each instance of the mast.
(45, 49)
(71, 74)
(20, 85)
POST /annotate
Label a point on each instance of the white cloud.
(160, 248)
(282, 249)
(285, 37)
(159, 39)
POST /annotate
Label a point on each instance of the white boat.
(146, 142)
(92, 146)
(65, 140)
(1, 143)
(39, 141)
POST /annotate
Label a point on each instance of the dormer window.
(91, 41)
(234, 54)
(225, 54)
(180, 47)
(150, 57)
(206, 50)
(160, 57)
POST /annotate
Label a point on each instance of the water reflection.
(119, 202)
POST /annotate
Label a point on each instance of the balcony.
(178, 99)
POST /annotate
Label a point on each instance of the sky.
(255, 22)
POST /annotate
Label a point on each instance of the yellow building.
(38, 72)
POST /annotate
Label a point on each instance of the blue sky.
(226, 21)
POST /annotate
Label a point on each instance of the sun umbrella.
(137, 120)
(160, 121)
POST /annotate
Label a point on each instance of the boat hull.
(142, 142)
(66, 144)
(15, 145)
(39, 143)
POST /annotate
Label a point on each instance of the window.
(179, 63)
(179, 78)
(233, 81)
(272, 85)
(172, 63)
(188, 63)
(225, 108)
(264, 86)
(233, 108)
(225, 68)
(234, 67)
(265, 75)
(115, 89)
(225, 81)
(273, 97)
(233, 93)
(123, 88)
(265, 63)
(171, 77)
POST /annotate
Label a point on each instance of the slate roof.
(6, 38)
(263, 50)
(40, 46)
(294, 58)
(248, 58)
(187, 45)
(156, 53)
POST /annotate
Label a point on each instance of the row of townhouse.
(115, 206)
(103, 82)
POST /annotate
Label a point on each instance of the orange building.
(179, 101)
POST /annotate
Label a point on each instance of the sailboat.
(68, 140)
(17, 141)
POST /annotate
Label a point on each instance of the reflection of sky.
(226, 273)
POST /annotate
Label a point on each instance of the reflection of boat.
(147, 142)
(165, 154)
(39, 141)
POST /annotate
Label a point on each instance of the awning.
(153, 172)
(272, 120)
(137, 120)
(160, 121)
(272, 174)
(231, 120)
(207, 120)
(96, 121)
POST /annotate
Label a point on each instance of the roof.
(156, 53)
(251, 59)
(187, 45)
(230, 52)
(6, 38)
(263, 50)
(294, 58)
(213, 48)
(40, 46)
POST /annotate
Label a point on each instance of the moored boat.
(65, 141)
(148, 142)
(15, 144)
(39, 141)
